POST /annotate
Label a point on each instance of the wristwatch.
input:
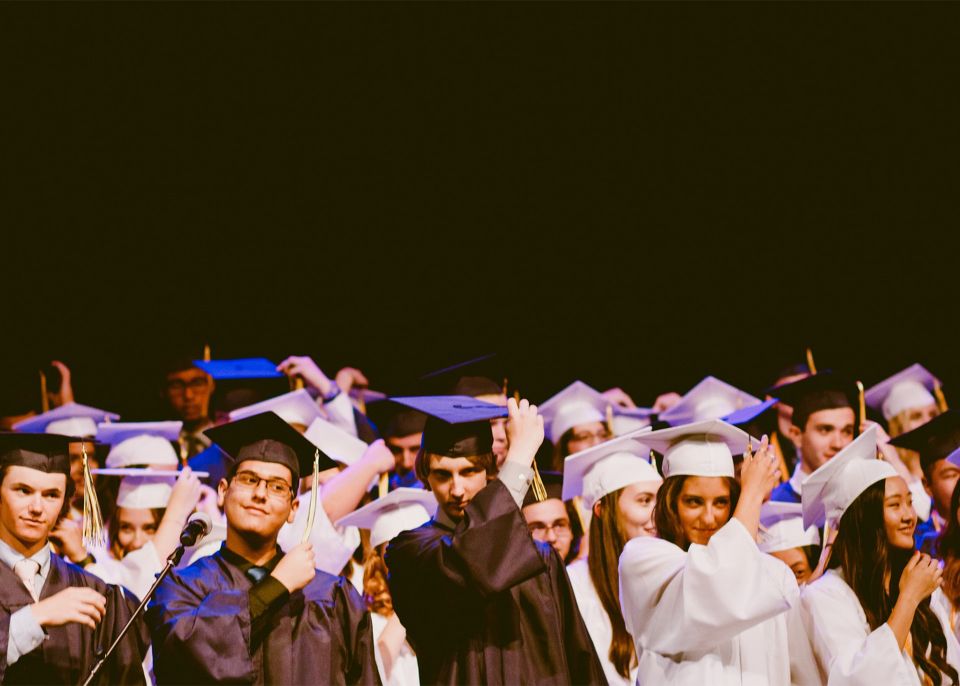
(333, 393)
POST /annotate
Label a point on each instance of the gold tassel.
(362, 403)
(93, 534)
(183, 452)
(810, 365)
(384, 486)
(314, 492)
(578, 508)
(863, 407)
(44, 400)
(539, 491)
(941, 399)
(206, 353)
(296, 383)
(784, 472)
(610, 419)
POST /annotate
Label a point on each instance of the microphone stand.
(172, 562)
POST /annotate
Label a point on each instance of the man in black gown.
(249, 613)
(482, 602)
(54, 617)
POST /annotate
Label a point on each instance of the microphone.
(198, 526)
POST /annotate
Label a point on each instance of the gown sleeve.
(357, 632)
(676, 602)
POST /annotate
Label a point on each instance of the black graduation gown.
(67, 655)
(485, 604)
(200, 621)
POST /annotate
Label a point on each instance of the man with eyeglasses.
(250, 613)
(188, 390)
(552, 520)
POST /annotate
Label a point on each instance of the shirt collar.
(796, 480)
(243, 564)
(443, 519)
(10, 557)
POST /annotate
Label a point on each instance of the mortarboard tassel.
(362, 403)
(44, 400)
(314, 491)
(539, 492)
(810, 365)
(938, 394)
(610, 419)
(384, 486)
(784, 472)
(92, 519)
(206, 352)
(183, 452)
(863, 408)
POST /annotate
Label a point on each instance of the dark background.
(634, 195)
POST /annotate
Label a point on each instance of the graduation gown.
(715, 614)
(67, 655)
(484, 604)
(201, 624)
(848, 652)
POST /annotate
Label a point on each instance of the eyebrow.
(262, 477)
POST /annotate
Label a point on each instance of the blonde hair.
(376, 592)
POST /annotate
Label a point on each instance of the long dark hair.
(872, 568)
(606, 544)
(948, 550)
(665, 514)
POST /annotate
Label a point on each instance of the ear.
(926, 485)
(794, 433)
(597, 509)
(221, 492)
(293, 509)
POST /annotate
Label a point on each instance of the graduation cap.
(831, 489)
(934, 440)
(140, 443)
(70, 419)
(553, 487)
(699, 449)
(478, 377)
(576, 404)
(457, 425)
(241, 368)
(295, 407)
(145, 492)
(629, 419)
(394, 420)
(824, 391)
(750, 414)
(908, 389)
(44, 452)
(400, 510)
(781, 528)
(608, 467)
(335, 442)
(709, 399)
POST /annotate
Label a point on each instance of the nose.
(709, 516)
(409, 458)
(35, 503)
(260, 492)
(456, 486)
(551, 536)
(837, 440)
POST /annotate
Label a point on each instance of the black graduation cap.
(457, 425)
(44, 452)
(934, 440)
(394, 420)
(479, 376)
(267, 438)
(552, 483)
(824, 391)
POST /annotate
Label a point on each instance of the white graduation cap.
(145, 492)
(905, 390)
(699, 449)
(608, 467)
(828, 492)
(335, 442)
(400, 510)
(70, 419)
(576, 404)
(709, 399)
(295, 407)
(629, 419)
(141, 443)
(781, 528)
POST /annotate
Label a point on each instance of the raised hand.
(760, 473)
(524, 431)
(296, 569)
(348, 377)
(305, 368)
(77, 604)
(921, 577)
(68, 534)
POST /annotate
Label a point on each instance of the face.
(404, 449)
(188, 392)
(635, 509)
(943, 479)
(499, 429)
(258, 511)
(76, 466)
(797, 561)
(135, 526)
(583, 436)
(827, 433)
(917, 417)
(548, 522)
(703, 506)
(455, 481)
(899, 517)
(30, 504)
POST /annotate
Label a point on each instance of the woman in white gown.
(870, 615)
(703, 604)
(619, 486)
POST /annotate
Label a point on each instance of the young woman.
(574, 419)
(703, 604)
(870, 616)
(619, 486)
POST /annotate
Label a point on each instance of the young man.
(250, 613)
(54, 617)
(481, 601)
(823, 423)
(552, 520)
(934, 441)
(401, 429)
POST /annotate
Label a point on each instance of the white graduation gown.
(848, 652)
(715, 614)
(597, 620)
(405, 671)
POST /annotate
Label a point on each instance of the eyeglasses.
(560, 528)
(276, 488)
(581, 436)
(179, 387)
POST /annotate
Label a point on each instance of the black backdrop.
(630, 194)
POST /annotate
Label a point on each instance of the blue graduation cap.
(242, 368)
(457, 425)
(745, 415)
